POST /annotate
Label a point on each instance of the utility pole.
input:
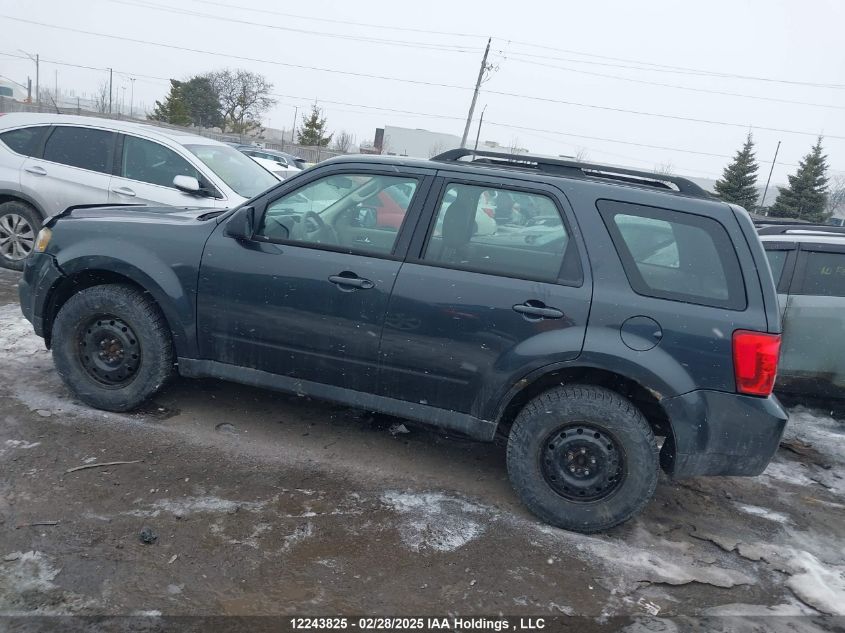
(293, 128)
(29, 89)
(37, 61)
(480, 121)
(132, 98)
(769, 179)
(56, 93)
(110, 82)
(475, 93)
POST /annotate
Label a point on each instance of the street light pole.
(132, 98)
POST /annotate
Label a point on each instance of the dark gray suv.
(635, 326)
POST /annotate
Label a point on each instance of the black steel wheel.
(109, 350)
(583, 462)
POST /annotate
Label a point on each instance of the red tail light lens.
(755, 361)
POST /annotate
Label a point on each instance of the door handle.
(124, 191)
(350, 282)
(537, 309)
(38, 170)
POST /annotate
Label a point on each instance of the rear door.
(472, 312)
(145, 172)
(75, 168)
(813, 349)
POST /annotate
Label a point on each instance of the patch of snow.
(27, 587)
(818, 585)
(17, 338)
(21, 444)
(436, 522)
(192, 505)
(299, 534)
(786, 472)
(765, 513)
(147, 613)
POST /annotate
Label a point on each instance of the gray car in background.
(49, 162)
(808, 266)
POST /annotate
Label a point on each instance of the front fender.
(173, 287)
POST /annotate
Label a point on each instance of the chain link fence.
(309, 154)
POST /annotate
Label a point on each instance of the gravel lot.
(270, 504)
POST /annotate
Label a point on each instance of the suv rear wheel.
(19, 224)
(582, 458)
(112, 347)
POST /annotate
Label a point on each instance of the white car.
(49, 162)
(277, 169)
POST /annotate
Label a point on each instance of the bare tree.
(665, 169)
(435, 149)
(582, 155)
(836, 195)
(514, 147)
(101, 97)
(244, 97)
(344, 141)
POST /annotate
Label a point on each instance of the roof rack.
(799, 229)
(574, 169)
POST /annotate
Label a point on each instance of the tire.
(561, 434)
(133, 351)
(19, 225)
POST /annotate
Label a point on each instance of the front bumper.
(718, 433)
(40, 275)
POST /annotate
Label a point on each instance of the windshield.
(246, 177)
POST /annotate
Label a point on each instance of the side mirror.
(187, 184)
(241, 226)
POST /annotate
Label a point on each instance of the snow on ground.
(435, 521)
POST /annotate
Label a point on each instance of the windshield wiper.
(211, 214)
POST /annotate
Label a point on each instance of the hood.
(135, 213)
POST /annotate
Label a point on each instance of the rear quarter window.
(25, 141)
(676, 256)
(824, 275)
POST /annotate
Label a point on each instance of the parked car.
(49, 162)
(808, 265)
(283, 158)
(279, 171)
(581, 355)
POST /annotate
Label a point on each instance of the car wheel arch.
(642, 396)
(71, 284)
(16, 196)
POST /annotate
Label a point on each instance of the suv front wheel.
(112, 347)
(19, 224)
(582, 458)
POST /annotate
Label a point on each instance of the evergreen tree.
(806, 196)
(738, 183)
(202, 101)
(312, 133)
(174, 109)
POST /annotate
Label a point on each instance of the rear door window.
(676, 256)
(504, 232)
(777, 260)
(26, 140)
(81, 147)
(824, 274)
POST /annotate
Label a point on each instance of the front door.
(306, 297)
(145, 174)
(489, 297)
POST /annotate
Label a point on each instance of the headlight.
(43, 240)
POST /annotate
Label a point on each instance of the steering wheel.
(317, 230)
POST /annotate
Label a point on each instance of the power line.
(510, 57)
(673, 117)
(678, 70)
(367, 40)
(334, 21)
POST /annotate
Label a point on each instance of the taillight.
(755, 361)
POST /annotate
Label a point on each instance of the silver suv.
(49, 162)
(808, 265)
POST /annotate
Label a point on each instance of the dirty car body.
(454, 328)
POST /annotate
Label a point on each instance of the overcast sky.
(594, 54)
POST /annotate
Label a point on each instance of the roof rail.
(574, 169)
(799, 229)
